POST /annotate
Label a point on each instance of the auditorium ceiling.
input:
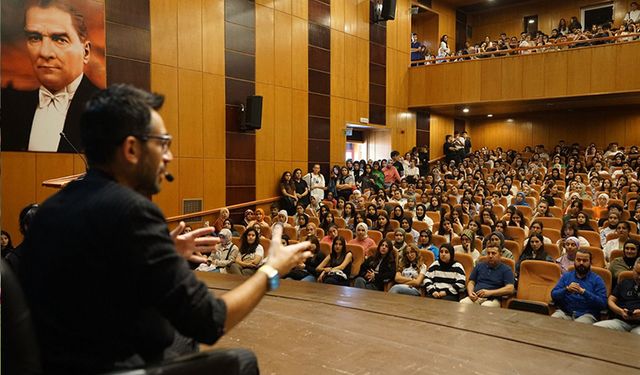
(513, 108)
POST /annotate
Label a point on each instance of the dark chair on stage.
(21, 356)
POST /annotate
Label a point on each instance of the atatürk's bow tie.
(60, 100)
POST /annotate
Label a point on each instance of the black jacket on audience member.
(386, 272)
(105, 283)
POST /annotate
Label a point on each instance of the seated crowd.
(560, 38)
(461, 229)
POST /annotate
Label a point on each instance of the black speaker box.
(252, 113)
(388, 10)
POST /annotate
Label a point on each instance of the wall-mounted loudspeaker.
(252, 118)
(388, 10)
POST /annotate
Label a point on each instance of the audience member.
(445, 278)
(489, 281)
(378, 269)
(624, 302)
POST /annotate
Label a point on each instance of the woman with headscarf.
(626, 261)
(603, 200)
(225, 252)
(259, 220)
(249, 216)
(467, 246)
(363, 239)
(570, 245)
(282, 219)
(224, 215)
(5, 243)
(399, 241)
(372, 213)
(421, 215)
(445, 278)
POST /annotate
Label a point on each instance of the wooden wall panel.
(164, 32)
(603, 68)
(555, 74)
(446, 21)
(19, 184)
(578, 63)
(511, 83)
(213, 113)
(491, 88)
(213, 37)
(300, 129)
(213, 193)
(338, 137)
(337, 15)
(169, 197)
(164, 79)
(283, 48)
(265, 39)
(190, 113)
(190, 34)
(440, 126)
(626, 78)
(283, 138)
(300, 57)
(338, 63)
(584, 127)
(265, 138)
(191, 178)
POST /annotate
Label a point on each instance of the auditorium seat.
(553, 250)
(314, 220)
(239, 228)
(346, 233)
(325, 248)
(535, 282)
(526, 211)
(514, 247)
(236, 241)
(624, 275)
(592, 237)
(435, 216)
(438, 240)
(556, 211)
(498, 211)
(615, 254)
(375, 235)
(357, 252)
(419, 226)
(291, 232)
(486, 230)
(477, 242)
(516, 233)
(552, 234)
(550, 222)
(329, 204)
(597, 255)
(266, 244)
(395, 224)
(340, 222)
(265, 232)
(427, 257)
(466, 260)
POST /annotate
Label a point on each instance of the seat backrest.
(550, 222)
(266, 243)
(536, 280)
(514, 247)
(516, 233)
(375, 235)
(552, 234)
(395, 224)
(438, 240)
(486, 230)
(615, 254)
(555, 211)
(340, 222)
(592, 237)
(509, 262)
(526, 211)
(314, 220)
(597, 255)
(624, 275)
(329, 204)
(466, 260)
(420, 226)
(435, 216)
(427, 257)
(357, 252)
(553, 250)
(291, 232)
(346, 233)
(239, 228)
(236, 241)
(325, 248)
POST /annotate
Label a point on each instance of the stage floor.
(308, 328)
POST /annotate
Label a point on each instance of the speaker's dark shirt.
(105, 283)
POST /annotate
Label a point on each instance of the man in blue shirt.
(417, 49)
(624, 302)
(580, 294)
(489, 281)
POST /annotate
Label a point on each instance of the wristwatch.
(273, 278)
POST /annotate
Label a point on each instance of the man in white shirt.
(315, 181)
(58, 48)
(633, 16)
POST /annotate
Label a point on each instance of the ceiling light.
(509, 120)
(532, 21)
(465, 110)
(489, 115)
